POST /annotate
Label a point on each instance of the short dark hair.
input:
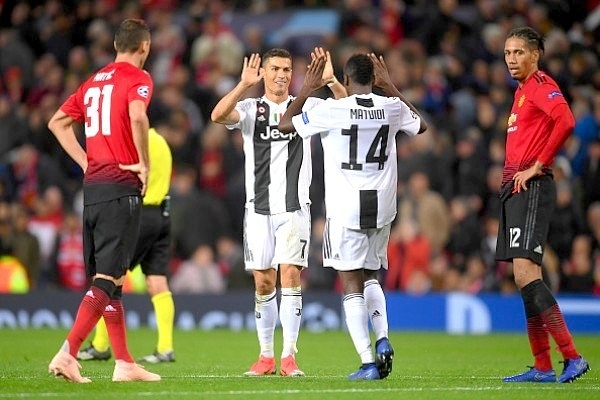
(276, 52)
(359, 68)
(130, 34)
(534, 40)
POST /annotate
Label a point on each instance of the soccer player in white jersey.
(277, 216)
(358, 137)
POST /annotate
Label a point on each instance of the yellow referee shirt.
(161, 164)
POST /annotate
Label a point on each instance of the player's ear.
(536, 56)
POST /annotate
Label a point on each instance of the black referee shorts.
(110, 234)
(152, 250)
(525, 219)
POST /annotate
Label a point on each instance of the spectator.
(25, 245)
(427, 209)
(5, 229)
(31, 173)
(567, 221)
(191, 228)
(578, 270)
(465, 232)
(13, 127)
(469, 175)
(199, 274)
(67, 260)
(409, 257)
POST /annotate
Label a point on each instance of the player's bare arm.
(139, 128)
(61, 125)
(252, 73)
(384, 82)
(312, 81)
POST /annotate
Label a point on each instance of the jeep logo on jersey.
(144, 91)
(273, 134)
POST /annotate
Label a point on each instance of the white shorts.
(347, 249)
(270, 240)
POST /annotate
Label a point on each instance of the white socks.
(377, 308)
(265, 316)
(357, 320)
(290, 313)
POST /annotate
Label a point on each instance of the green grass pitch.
(210, 365)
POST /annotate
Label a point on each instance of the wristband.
(333, 82)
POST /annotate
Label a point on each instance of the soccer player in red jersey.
(539, 123)
(111, 104)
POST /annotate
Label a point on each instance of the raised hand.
(251, 71)
(328, 75)
(382, 76)
(313, 79)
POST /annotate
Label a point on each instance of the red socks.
(544, 317)
(539, 342)
(114, 316)
(555, 324)
(90, 310)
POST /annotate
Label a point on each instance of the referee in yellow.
(152, 254)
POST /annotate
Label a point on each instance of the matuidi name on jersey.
(358, 113)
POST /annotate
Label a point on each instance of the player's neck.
(129, 58)
(522, 81)
(359, 89)
(277, 98)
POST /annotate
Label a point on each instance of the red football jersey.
(529, 124)
(102, 104)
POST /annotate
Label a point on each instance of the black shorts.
(525, 219)
(152, 251)
(110, 233)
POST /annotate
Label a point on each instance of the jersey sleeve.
(547, 97)
(315, 118)
(311, 103)
(243, 108)
(141, 89)
(72, 107)
(409, 120)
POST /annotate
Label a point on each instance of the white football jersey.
(359, 147)
(277, 165)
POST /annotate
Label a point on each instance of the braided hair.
(534, 40)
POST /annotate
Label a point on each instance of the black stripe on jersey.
(262, 160)
(539, 78)
(292, 170)
(368, 209)
(365, 102)
(262, 176)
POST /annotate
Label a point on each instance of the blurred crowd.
(445, 56)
